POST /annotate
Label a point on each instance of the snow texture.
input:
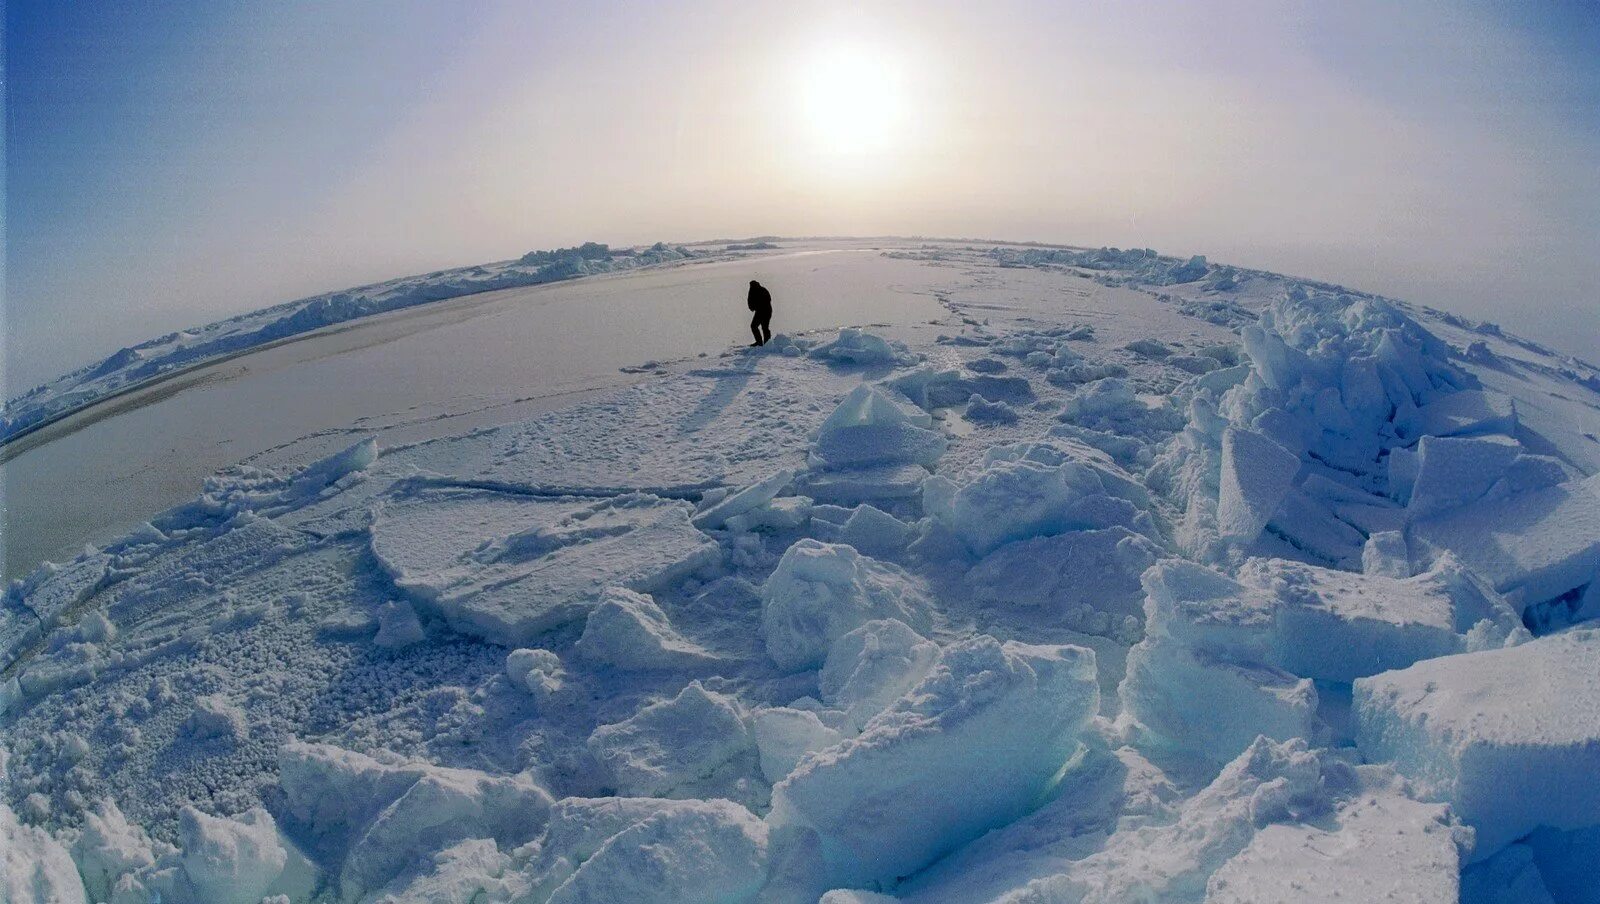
(1507, 737)
(1131, 578)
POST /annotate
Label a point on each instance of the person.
(760, 301)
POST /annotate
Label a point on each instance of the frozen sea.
(1080, 576)
(418, 373)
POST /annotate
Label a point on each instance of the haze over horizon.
(172, 164)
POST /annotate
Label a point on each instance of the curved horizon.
(175, 164)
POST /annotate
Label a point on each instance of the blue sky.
(171, 163)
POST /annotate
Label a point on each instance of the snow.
(35, 868)
(1508, 737)
(1129, 578)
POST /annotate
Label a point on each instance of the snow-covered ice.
(1509, 737)
(821, 591)
(1126, 578)
(670, 744)
(507, 567)
(969, 748)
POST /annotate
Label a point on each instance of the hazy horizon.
(175, 164)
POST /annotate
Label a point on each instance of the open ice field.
(1090, 576)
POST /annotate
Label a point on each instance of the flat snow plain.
(1095, 576)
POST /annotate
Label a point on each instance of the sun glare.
(853, 101)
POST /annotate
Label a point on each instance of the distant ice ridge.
(1354, 438)
(1175, 631)
(187, 348)
(1134, 265)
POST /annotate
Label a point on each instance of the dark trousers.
(760, 326)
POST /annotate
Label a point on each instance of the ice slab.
(380, 814)
(869, 428)
(32, 606)
(109, 848)
(1566, 863)
(821, 591)
(1311, 526)
(539, 672)
(1453, 471)
(744, 500)
(710, 850)
(1223, 660)
(670, 744)
(1509, 737)
(859, 347)
(1268, 784)
(1386, 554)
(507, 567)
(1208, 705)
(852, 486)
(1099, 569)
(1200, 608)
(629, 631)
(1532, 546)
(1510, 877)
(875, 532)
(1338, 626)
(871, 667)
(218, 860)
(237, 861)
(1381, 847)
(1040, 489)
(1467, 413)
(971, 747)
(784, 735)
(474, 870)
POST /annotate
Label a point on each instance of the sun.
(852, 100)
